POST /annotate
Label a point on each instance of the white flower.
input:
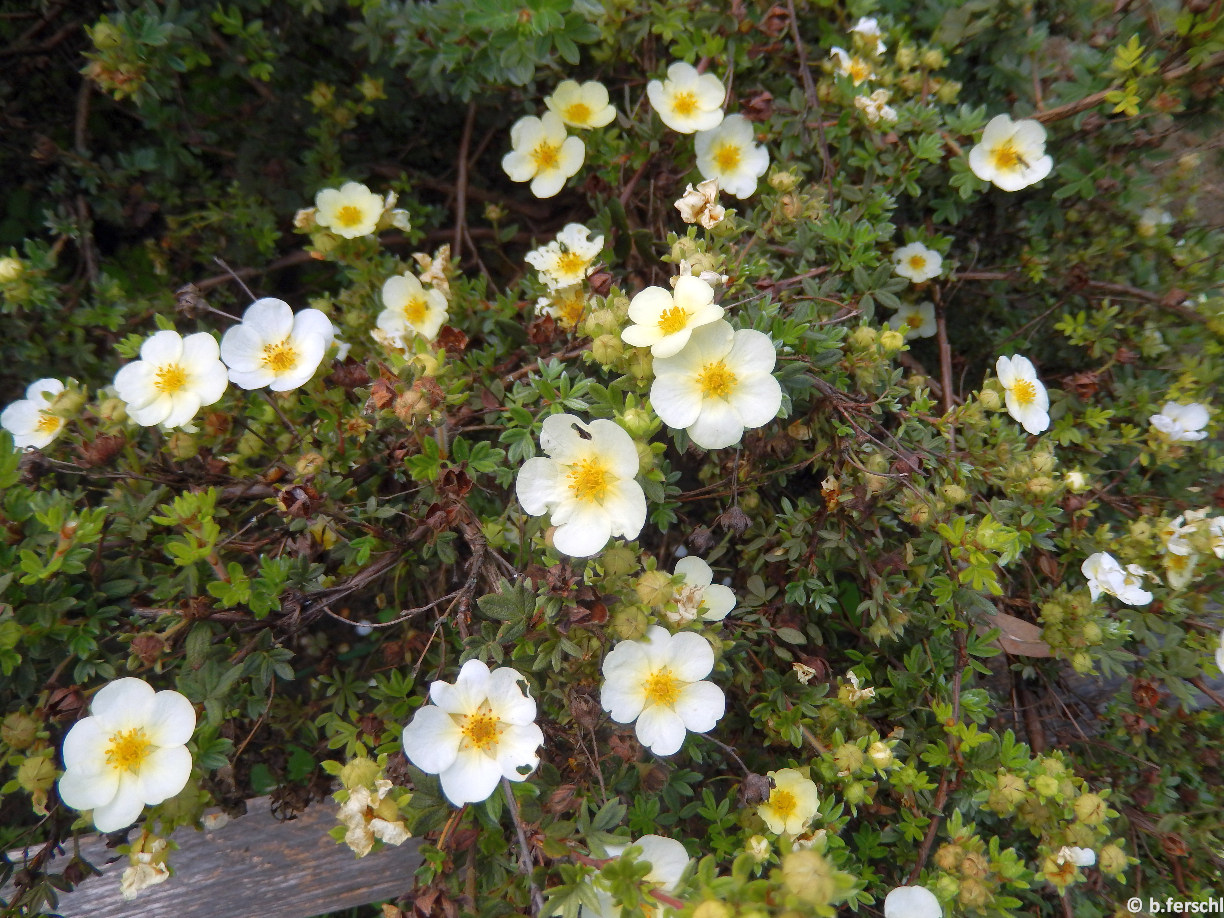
(870, 29)
(542, 154)
(915, 321)
(917, 263)
(1177, 534)
(912, 902)
(1077, 481)
(173, 379)
(479, 729)
(855, 67)
(1080, 857)
(700, 596)
(875, 107)
(667, 859)
(410, 309)
(587, 484)
(1178, 422)
(10, 269)
(352, 210)
(129, 752)
(275, 348)
(1215, 533)
(684, 269)
(803, 672)
(659, 683)
(1152, 219)
(665, 320)
(1106, 575)
(1012, 154)
(854, 692)
(718, 386)
(30, 420)
(581, 106)
(792, 803)
(1027, 400)
(700, 204)
(687, 101)
(567, 305)
(729, 154)
(360, 814)
(1179, 569)
(1219, 654)
(433, 268)
(141, 876)
(568, 259)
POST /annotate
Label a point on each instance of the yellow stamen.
(349, 216)
(48, 423)
(481, 730)
(578, 113)
(728, 157)
(570, 308)
(914, 320)
(570, 263)
(783, 803)
(546, 156)
(589, 480)
(128, 749)
(673, 320)
(169, 378)
(414, 310)
(716, 381)
(662, 688)
(1024, 391)
(1006, 156)
(279, 357)
(917, 262)
(684, 103)
(858, 71)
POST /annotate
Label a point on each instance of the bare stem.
(537, 898)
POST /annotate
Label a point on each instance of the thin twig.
(729, 751)
(230, 271)
(945, 361)
(811, 97)
(525, 865)
(465, 144)
(290, 260)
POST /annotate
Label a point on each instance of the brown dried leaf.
(1017, 636)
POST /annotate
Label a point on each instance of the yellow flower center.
(662, 688)
(1024, 391)
(414, 310)
(570, 263)
(349, 216)
(589, 480)
(673, 320)
(128, 749)
(783, 803)
(570, 308)
(578, 113)
(1006, 157)
(684, 103)
(169, 378)
(917, 262)
(1178, 562)
(481, 730)
(858, 70)
(913, 320)
(48, 423)
(716, 381)
(546, 156)
(728, 157)
(280, 357)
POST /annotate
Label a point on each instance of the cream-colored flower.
(140, 876)
(1177, 422)
(875, 107)
(700, 205)
(718, 386)
(700, 597)
(1011, 154)
(914, 320)
(854, 692)
(273, 347)
(1080, 857)
(1106, 575)
(367, 818)
(803, 672)
(1179, 569)
(566, 304)
(568, 259)
(916, 263)
(10, 269)
(480, 728)
(1219, 654)
(542, 153)
(665, 320)
(586, 483)
(659, 683)
(869, 28)
(173, 379)
(582, 105)
(30, 420)
(433, 268)
(912, 902)
(410, 309)
(730, 155)
(687, 101)
(1077, 481)
(854, 67)
(350, 211)
(128, 753)
(667, 859)
(792, 803)
(1026, 398)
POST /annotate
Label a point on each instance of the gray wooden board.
(254, 866)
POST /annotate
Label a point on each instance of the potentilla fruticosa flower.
(1011, 154)
(1080, 857)
(667, 859)
(912, 902)
(1219, 654)
(131, 751)
(659, 683)
(586, 482)
(914, 320)
(869, 29)
(543, 154)
(30, 420)
(350, 211)
(371, 815)
(173, 379)
(915, 262)
(1177, 422)
(700, 205)
(480, 728)
(664, 320)
(687, 101)
(566, 304)
(410, 309)
(852, 66)
(581, 105)
(568, 259)
(718, 386)
(273, 347)
(730, 155)
(700, 597)
(792, 804)
(1106, 575)
(1026, 397)
(875, 107)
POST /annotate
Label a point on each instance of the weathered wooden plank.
(254, 865)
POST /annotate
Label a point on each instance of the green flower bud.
(19, 730)
(953, 493)
(990, 400)
(891, 340)
(948, 92)
(607, 349)
(359, 772)
(10, 270)
(848, 758)
(949, 857)
(1112, 860)
(629, 623)
(1081, 662)
(809, 876)
(1090, 809)
(36, 773)
(1045, 785)
(640, 422)
(907, 57)
(654, 588)
(1091, 632)
(712, 908)
(974, 894)
(783, 181)
(619, 560)
(864, 337)
(934, 59)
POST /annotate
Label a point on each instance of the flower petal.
(701, 705)
(123, 704)
(164, 773)
(717, 426)
(516, 750)
(84, 790)
(171, 719)
(690, 656)
(471, 778)
(660, 729)
(585, 531)
(695, 571)
(538, 485)
(431, 740)
(123, 809)
(507, 698)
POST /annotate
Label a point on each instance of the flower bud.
(105, 36)
(948, 92)
(182, 445)
(629, 623)
(10, 269)
(949, 857)
(848, 758)
(1090, 809)
(879, 753)
(1092, 632)
(973, 894)
(359, 772)
(309, 464)
(1045, 785)
(1081, 662)
(618, 560)
(712, 908)
(907, 57)
(19, 730)
(758, 847)
(864, 337)
(933, 59)
(36, 774)
(654, 588)
(783, 181)
(1112, 860)
(1076, 481)
(953, 493)
(640, 422)
(990, 400)
(1041, 485)
(891, 340)
(607, 349)
(809, 876)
